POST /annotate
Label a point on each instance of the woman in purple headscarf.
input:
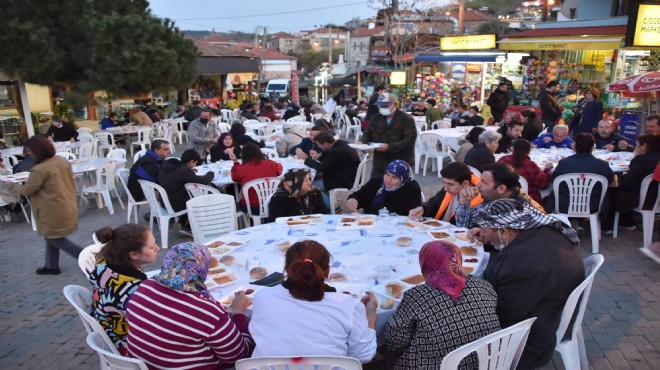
(397, 191)
(447, 311)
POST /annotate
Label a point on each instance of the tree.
(112, 45)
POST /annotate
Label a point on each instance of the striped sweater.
(170, 329)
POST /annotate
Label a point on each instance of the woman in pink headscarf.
(445, 312)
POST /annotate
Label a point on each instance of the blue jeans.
(324, 193)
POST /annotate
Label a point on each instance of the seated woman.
(471, 139)
(483, 153)
(537, 267)
(269, 112)
(396, 190)
(225, 145)
(238, 132)
(418, 334)
(519, 159)
(117, 275)
(255, 166)
(175, 323)
(296, 196)
(533, 125)
(331, 323)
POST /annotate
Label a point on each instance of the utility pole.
(264, 39)
(256, 36)
(331, 46)
(461, 9)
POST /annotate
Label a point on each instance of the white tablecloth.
(356, 253)
(618, 161)
(222, 169)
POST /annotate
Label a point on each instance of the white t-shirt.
(335, 326)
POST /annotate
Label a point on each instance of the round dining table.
(364, 257)
(222, 169)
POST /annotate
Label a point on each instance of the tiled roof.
(215, 50)
(364, 31)
(571, 31)
(283, 35)
(266, 54)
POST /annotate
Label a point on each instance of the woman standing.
(519, 159)
(117, 275)
(415, 334)
(224, 147)
(397, 191)
(255, 166)
(588, 113)
(333, 324)
(53, 197)
(296, 196)
(175, 323)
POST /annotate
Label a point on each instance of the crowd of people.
(171, 320)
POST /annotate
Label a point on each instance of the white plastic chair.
(498, 351)
(163, 213)
(264, 188)
(270, 153)
(106, 141)
(211, 216)
(648, 216)
(429, 144)
(253, 126)
(87, 258)
(123, 174)
(572, 350)
(580, 186)
(81, 300)
(117, 153)
(355, 128)
(269, 130)
(524, 185)
(87, 151)
(105, 183)
(264, 119)
(296, 119)
(165, 133)
(115, 361)
(475, 171)
(339, 195)
(228, 115)
(10, 160)
(143, 136)
(299, 363)
(178, 131)
(435, 125)
(223, 127)
(85, 137)
(139, 154)
(316, 116)
(196, 190)
(84, 130)
(66, 154)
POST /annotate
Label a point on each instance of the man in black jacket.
(61, 131)
(193, 113)
(499, 101)
(510, 133)
(607, 139)
(147, 167)
(550, 110)
(371, 107)
(338, 164)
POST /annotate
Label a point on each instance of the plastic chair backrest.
(115, 360)
(430, 143)
(87, 151)
(498, 351)
(211, 216)
(223, 127)
(84, 130)
(264, 187)
(365, 177)
(523, 184)
(87, 258)
(579, 297)
(196, 190)
(360, 174)
(117, 153)
(580, 186)
(105, 176)
(475, 171)
(270, 153)
(10, 160)
(299, 363)
(268, 130)
(105, 138)
(123, 174)
(84, 138)
(67, 155)
(316, 116)
(296, 118)
(81, 299)
(646, 184)
(150, 190)
(143, 135)
(263, 119)
(138, 155)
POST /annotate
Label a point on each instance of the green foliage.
(64, 111)
(112, 45)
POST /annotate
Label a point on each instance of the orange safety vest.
(448, 198)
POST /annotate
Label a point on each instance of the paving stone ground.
(40, 329)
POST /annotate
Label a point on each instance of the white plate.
(436, 235)
(228, 298)
(228, 245)
(355, 225)
(210, 280)
(307, 219)
(380, 289)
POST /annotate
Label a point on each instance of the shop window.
(6, 94)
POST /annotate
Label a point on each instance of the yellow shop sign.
(473, 42)
(647, 28)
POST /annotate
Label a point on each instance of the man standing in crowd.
(61, 131)
(394, 130)
(193, 113)
(499, 101)
(202, 134)
(147, 167)
(550, 110)
(371, 107)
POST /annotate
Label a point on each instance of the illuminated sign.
(474, 42)
(398, 78)
(647, 27)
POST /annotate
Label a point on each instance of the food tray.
(224, 246)
(380, 289)
(17, 177)
(300, 220)
(353, 222)
(211, 282)
(228, 298)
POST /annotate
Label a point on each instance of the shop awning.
(223, 65)
(457, 57)
(569, 38)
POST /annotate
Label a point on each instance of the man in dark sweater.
(499, 101)
(550, 110)
(147, 167)
(61, 131)
(607, 139)
(510, 133)
(338, 164)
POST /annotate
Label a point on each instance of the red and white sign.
(294, 89)
(646, 82)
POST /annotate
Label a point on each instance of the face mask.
(204, 120)
(502, 243)
(384, 111)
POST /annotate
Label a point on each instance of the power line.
(271, 14)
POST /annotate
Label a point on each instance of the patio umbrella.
(621, 85)
(646, 82)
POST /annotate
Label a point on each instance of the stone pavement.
(40, 329)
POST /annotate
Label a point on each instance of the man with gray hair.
(558, 138)
(483, 153)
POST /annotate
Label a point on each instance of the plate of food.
(392, 289)
(414, 279)
(249, 290)
(433, 223)
(297, 221)
(224, 246)
(356, 222)
(441, 235)
(220, 280)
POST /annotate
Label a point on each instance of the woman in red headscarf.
(447, 311)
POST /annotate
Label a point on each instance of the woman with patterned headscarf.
(174, 322)
(419, 334)
(537, 267)
(296, 196)
(397, 191)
